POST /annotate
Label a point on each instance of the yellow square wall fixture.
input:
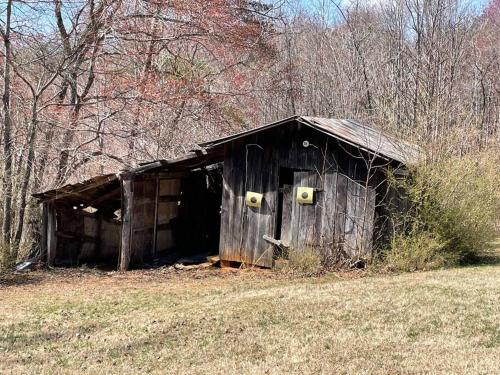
(253, 199)
(305, 195)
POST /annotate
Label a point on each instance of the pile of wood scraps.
(199, 261)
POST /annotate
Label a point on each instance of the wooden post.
(43, 230)
(126, 181)
(155, 234)
(51, 233)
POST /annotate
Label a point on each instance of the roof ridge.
(351, 131)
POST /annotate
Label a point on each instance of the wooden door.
(304, 231)
(286, 214)
(341, 215)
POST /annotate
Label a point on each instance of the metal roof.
(91, 189)
(189, 161)
(348, 131)
(84, 191)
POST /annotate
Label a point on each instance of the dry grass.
(251, 322)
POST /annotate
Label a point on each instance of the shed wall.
(173, 215)
(341, 218)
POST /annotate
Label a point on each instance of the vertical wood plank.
(286, 217)
(350, 228)
(340, 210)
(270, 184)
(368, 221)
(290, 148)
(227, 199)
(126, 237)
(305, 219)
(325, 215)
(51, 233)
(253, 215)
(328, 212)
(238, 220)
(155, 219)
(232, 223)
(295, 220)
(43, 237)
(311, 212)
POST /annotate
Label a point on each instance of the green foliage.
(454, 206)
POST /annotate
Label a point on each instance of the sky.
(478, 4)
(41, 16)
(313, 6)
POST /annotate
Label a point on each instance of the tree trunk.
(7, 137)
(25, 181)
(69, 135)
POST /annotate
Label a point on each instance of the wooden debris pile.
(199, 261)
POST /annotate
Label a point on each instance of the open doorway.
(285, 201)
(197, 228)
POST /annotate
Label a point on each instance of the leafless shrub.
(453, 210)
(316, 260)
(304, 262)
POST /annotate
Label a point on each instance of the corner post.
(44, 233)
(155, 228)
(50, 234)
(126, 182)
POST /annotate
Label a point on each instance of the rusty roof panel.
(88, 190)
(367, 137)
(349, 131)
(85, 190)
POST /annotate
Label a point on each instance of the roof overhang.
(88, 191)
(82, 192)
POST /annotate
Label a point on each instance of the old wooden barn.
(301, 182)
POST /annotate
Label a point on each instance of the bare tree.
(37, 87)
(7, 131)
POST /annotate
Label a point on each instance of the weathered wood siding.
(168, 209)
(78, 237)
(173, 213)
(342, 213)
(153, 210)
(143, 223)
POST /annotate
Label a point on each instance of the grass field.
(251, 322)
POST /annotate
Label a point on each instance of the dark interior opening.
(197, 227)
(174, 215)
(285, 188)
(187, 219)
(89, 231)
